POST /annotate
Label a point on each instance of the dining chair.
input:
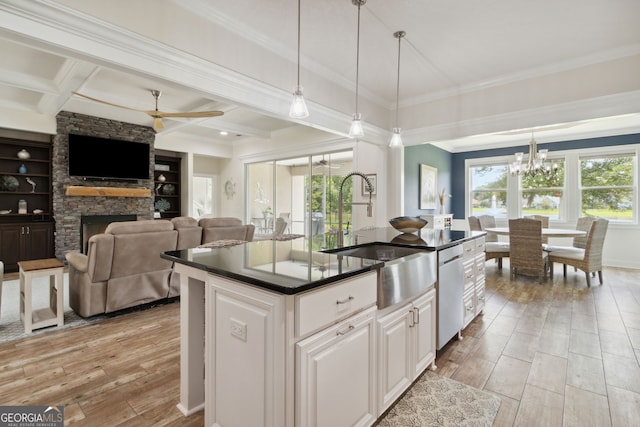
(588, 259)
(494, 249)
(474, 223)
(584, 224)
(545, 224)
(525, 248)
(488, 221)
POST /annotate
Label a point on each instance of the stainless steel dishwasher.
(449, 293)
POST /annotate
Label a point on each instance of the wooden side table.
(47, 316)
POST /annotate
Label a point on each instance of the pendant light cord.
(298, 45)
(399, 35)
(358, 55)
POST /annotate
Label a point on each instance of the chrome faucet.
(340, 203)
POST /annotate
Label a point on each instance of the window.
(607, 186)
(489, 190)
(203, 186)
(591, 181)
(542, 194)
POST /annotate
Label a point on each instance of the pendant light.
(298, 108)
(356, 130)
(396, 139)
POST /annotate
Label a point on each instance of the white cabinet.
(406, 347)
(245, 356)
(474, 278)
(336, 374)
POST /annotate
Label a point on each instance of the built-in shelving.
(167, 199)
(26, 227)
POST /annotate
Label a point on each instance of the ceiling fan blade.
(192, 114)
(157, 124)
(108, 103)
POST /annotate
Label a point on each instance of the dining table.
(546, 232)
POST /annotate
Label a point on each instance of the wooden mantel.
(79, 190)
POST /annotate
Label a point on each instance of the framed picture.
(428, 187)
(373, 178)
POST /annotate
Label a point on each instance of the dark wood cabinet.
(25, 241)
(166, 179)
(26, 220)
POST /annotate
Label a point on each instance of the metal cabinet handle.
(28, 230)
(344, 301)
(343, 332)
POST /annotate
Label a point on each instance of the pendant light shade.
(396, 138)
(298, 108)
(356, 130)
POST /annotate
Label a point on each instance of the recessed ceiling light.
(224, 132)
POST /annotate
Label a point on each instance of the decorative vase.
(22, 169)
(24, 154)
(162, 178)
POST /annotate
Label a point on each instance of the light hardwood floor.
(557, 353)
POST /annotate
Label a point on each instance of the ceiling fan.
(157, 114)
(325, 164)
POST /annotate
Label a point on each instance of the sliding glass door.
(303, 191)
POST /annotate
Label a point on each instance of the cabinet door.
(335, 375)
(11, 246)
(244, 357)
(395, 370)
(424, 332)
(38, 241)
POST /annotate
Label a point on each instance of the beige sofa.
(123, 268)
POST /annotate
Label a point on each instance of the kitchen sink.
(407, 272)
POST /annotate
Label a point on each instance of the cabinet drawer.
(318, 308)
(480, 299)
(469, 277)
(468, 249)
(480, 264)
(480, 244)
(469, 308)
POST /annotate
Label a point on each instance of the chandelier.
(536, 164)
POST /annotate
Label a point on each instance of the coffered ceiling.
(473, 73)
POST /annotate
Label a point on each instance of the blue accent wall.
(432, 156)
(451, 169)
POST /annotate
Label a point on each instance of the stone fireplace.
(68, 210)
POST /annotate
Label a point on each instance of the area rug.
(435, 400)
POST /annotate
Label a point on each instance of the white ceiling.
(473, 73)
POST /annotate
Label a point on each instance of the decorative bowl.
(407, 224)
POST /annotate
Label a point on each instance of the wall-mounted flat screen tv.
(107, 159)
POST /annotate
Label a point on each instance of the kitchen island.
(291, 336)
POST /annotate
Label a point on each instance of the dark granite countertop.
(290, 267)
(281, 266)
(426, 238)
